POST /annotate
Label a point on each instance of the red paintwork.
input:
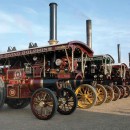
(64, 76)
(21, 85)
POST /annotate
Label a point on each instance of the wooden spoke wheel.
(67, 102)
(127, 91)
(2, 93)
(86, 96)
(117, 93)
(101, 94)
(122, 90)
(17, 103)
(110, 94)
(43, 104)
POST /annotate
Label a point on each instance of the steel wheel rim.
(127, 91)
(101, 94)
(42, 104)
(66, 102)
(85, 97)
(122, 90)
(110, 94)
(117, 93)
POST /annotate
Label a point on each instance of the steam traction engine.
(119, 78)
(112, 76)
(39, 72)
(127, 81)
(98, 72)
(36, 74)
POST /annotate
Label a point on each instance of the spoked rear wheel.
(122, 90)
(18, 103)
(67, 102)
(110, 94)
(86, 96)
(101, 94)
(127, 91)
(117, 93)
(43, 104)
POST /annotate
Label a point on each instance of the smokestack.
(119, 53)
(53, 24)
(89, 33)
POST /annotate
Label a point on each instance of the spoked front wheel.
(117, 93)
(67, 102)
(122, 90)
(43, 104)
(101, 94)
(86, 95)
(127, 91)
(110, 94)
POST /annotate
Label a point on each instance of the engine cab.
(99, 68)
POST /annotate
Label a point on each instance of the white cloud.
(31, 11)
(7, 23)
(16, 23)
(20, 31)
(4, 17)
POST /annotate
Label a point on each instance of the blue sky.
(24, 21)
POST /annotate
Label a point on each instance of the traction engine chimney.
(89, 33)
(119, 53)
(53, 24)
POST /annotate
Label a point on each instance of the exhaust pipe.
(89, 33)
(53, 24)
(119, 53)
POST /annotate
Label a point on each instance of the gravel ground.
(111, 116)
(119, 107)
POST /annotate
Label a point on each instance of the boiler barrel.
(40, 83)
